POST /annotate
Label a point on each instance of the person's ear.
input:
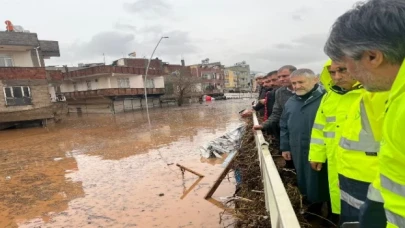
(372, 59)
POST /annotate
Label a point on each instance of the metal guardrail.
(278, 204)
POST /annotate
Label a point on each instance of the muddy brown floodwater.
(113, 171)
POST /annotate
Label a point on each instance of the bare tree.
(180, 84)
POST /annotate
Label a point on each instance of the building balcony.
(22, 73)
(113, 92)
(109, 71)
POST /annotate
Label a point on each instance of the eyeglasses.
(340, 70)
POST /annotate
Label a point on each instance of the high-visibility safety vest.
(326, 131)
(391, 180)
(361, 135)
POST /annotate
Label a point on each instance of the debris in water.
(182, 168)
(186, 191)
(226, 144)
(219, 179)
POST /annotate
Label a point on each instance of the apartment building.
(238, 77)
(113, 88)
(212, 75)
(28, 89)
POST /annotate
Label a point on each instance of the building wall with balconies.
(26, 89)
(241, 73)
(159, 82)
(135, 81)
(109, 82)
(230, 79)
(16, 42)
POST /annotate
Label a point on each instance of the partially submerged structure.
(115, 88)
(29, 91)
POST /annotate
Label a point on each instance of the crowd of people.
(341, 130)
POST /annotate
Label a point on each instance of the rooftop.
(24, 41)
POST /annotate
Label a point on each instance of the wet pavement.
(113, 171)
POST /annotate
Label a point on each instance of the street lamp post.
(146, 75)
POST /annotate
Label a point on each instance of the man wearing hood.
(296, 124)
(343, 91)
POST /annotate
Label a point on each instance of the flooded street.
(113, 171)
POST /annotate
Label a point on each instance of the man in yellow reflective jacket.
(371, 41)
(357, 152)
(343, 91)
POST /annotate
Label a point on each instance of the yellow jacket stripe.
(366, 141)
(359, 143)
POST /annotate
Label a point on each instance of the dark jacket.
(262, 92)
(296, 124)
(271, 98)
(281, 97)
(259, 107)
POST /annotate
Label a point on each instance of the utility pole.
(146, 76)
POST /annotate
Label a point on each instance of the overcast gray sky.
(265, 33)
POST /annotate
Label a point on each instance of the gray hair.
(304, 72)
(291, 68)
(372, 25)
(260, 75)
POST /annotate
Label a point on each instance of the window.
(6, 61)
(17, 92)
(208, 76)
(17, 95)
(123, 83)
(26, 91)
(74, 86)
(88, 84)
(8, 92)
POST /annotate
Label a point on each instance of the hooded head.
(335, 75)
(325, 77)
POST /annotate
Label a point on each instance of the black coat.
(296, 124)
(262, 92)
(271, 98)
